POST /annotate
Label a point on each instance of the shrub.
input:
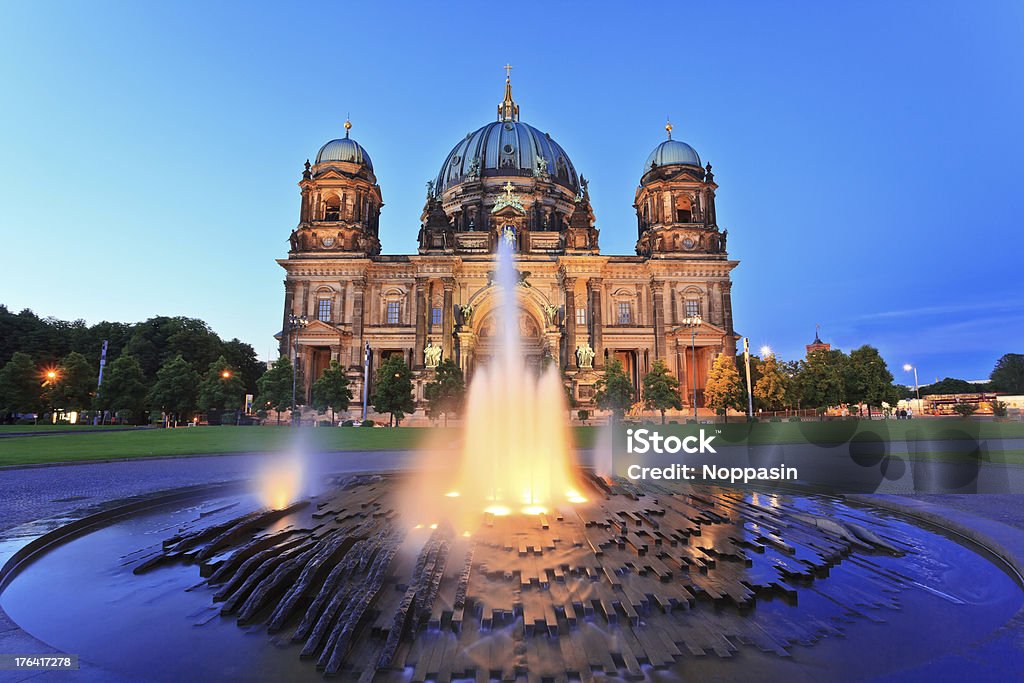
(368, 423)
(583, 415)
(999, 408)
(795, 418)
(775, 419)
(965, 409)
(228, 417)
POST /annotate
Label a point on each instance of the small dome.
(344, 149)
(672, 152)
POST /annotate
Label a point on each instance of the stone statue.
(585, 355)
(467, 313)
(474, 167)
(541, 171)
(508, 234)
(430, 189)
(431, 355)
(551, 313)
(725, 236)
(293, 239)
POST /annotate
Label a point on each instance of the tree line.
(175, 365)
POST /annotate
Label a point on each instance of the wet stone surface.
(652, 583)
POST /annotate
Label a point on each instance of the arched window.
(684, 210)
(332, 208)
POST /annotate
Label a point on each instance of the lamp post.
(693, 322)
(750, 390)
(917, 390)
(366, 378)
(295, 323)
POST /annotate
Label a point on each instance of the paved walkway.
(34, 493)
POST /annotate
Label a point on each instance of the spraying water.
(517, 452)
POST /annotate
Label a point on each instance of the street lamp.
(750, 389)
(693, 322)
(295, 323)
(226, 374)
(917, 390)
(366, 378)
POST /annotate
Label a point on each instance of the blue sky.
(868, 154)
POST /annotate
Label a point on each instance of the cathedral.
(671, 300)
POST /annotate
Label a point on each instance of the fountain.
(512, 563)
(517, 455)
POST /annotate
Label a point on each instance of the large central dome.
(507, 147)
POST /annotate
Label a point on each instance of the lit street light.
(226, 374)
(295, 323)
(693, 322)
(917, 390)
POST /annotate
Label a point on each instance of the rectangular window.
(692, 308)
(435, 316)
(625, 313)
(394, 308)
(581, 316)
(323, 310)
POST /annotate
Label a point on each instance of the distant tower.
(341, 202)
(675, 203)
(817, 344)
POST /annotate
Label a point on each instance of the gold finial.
(348, 125)
(668, 127)
(508, 110)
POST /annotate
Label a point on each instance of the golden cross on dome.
(508, 188)
(508, 71)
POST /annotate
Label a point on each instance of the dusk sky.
(868, 155)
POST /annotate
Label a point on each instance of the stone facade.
(520, 186)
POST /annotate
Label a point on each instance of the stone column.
(420, 297)
(727, 315)
(715, 301)
(359, 285)
(658, 295)
(594, 287)
(569, 284)
(448, 318)
(289, 301)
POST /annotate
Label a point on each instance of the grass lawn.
(196, 440)
(52, 428)
(82, 445)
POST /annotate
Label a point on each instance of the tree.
(393, 392)
(570, 400)
(274, 387)
(1008, 374)
(20, 385)
(174, 392)
(823, 378)
(791, 378)
(965, 409)
(868, 379)
(948, 385)
(221, 388)
(76, 382)
(770, 388)
(123, 388)
(446, 392)
(661, 389)
(999, 408)
(614, 391)
(331, 390)
(723, 389)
